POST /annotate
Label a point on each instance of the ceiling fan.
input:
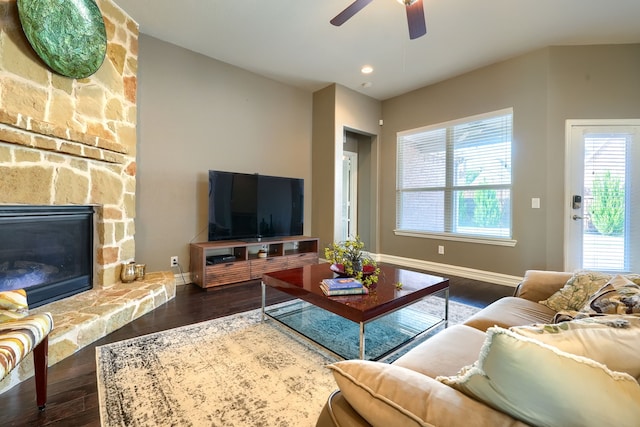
(415, 16)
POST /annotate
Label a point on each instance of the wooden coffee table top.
(304, 283)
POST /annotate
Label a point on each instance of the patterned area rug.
(231, 371)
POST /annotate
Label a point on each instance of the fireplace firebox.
(47, 250)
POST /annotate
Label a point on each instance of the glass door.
(602, 213)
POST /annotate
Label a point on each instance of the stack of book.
(343, 286)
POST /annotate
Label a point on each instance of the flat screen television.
(254, 207)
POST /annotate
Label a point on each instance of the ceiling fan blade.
(416, 21)
(351, 10)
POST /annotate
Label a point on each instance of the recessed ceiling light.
(367, 69)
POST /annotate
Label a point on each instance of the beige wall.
(323, 152)
(545, 88)
(336, 109)
(196, 114)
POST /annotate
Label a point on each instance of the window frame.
(449, 188)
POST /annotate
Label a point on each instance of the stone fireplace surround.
(66, 141)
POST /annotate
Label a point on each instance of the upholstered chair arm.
(21, 334)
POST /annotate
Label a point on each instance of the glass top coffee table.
(371, 326)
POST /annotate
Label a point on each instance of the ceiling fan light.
(407, 2)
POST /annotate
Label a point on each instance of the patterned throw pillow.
(577, 291)
(13, 305)
(619, 296)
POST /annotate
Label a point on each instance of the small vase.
(128, 272)
(140, 271)
(356, 264)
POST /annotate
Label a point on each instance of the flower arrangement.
(348, 258)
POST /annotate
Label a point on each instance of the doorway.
(603, 197)
(356, 188)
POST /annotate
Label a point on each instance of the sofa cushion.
(445, 353)
(389, 395)
(13, 305)
(510, 311)
(611, 340)
(542, 385)
(576, 292)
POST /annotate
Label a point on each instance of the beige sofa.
(407, 392)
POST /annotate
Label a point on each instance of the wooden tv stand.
(230, 261)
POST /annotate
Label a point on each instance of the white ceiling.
(291, 41)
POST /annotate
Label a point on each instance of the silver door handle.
(576, 217)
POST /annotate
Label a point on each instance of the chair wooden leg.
(40, 362)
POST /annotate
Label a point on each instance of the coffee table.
(379, 305)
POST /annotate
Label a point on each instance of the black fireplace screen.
(47, 250)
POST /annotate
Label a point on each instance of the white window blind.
(455, 177)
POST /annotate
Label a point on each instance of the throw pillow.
(619, 296)
(544, 386)
(383, 394)
(576, 292)
(635, 278)
(13, 305)
(611, 340)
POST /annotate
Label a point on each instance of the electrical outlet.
(174, 261)
(441, 250)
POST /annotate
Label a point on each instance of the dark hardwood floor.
(72, 391)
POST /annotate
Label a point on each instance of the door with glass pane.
(602, 212)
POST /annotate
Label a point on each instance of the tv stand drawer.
(302, 259)
(231, 272)
(261, 266)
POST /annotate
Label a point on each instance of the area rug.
(230, 371)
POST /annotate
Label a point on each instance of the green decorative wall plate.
(69, 35)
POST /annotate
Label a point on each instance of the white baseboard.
(468, 273)
(183, 278)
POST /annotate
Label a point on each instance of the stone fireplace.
(65, 141)
(70, 141)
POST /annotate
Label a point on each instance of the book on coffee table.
(342, 283)
(346, 291)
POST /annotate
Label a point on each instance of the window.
(454, 178)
